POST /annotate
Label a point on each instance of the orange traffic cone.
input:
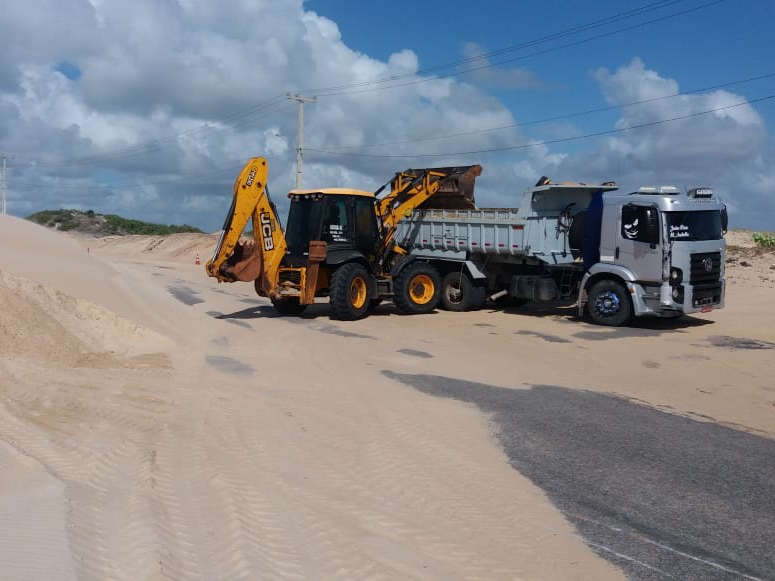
(196, 261)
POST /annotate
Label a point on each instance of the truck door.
(639, 241)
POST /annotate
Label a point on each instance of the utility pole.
(3, 183)
(301, 100)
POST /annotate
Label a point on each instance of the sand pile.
(747, 263)
(173, 248)
(48, 325)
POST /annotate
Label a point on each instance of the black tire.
(374, 303)
(417, 289)
(609, 303)
(458, 293)
(288, 307)
(348, 293)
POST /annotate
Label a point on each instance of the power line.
(172, 140)
(567, 32)
(523, 57)
(177, 180)
(559, 117)
(549, 142)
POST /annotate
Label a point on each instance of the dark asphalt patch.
(184, 294)
(739, 343)
(220, 316)
(415, 353)
(544, 336)
(659, 495)
(229, 365)
(615, 333)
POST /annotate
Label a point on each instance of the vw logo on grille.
(707, 262)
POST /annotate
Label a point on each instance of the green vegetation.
(50, 218)
(764, 239)
(118, 225)
(103, 225)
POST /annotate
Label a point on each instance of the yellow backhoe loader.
(338, 242)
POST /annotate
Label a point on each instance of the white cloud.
(198, 71)
(724, 149)
(481, 71)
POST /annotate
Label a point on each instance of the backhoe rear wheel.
(349, 292)
(458, 293)
(288, 307)
(417, 289)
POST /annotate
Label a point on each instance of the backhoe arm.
(411, 188)
(259, 260)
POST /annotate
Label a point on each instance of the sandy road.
(227, 442)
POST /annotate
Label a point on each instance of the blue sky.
(148, 109)
(729, 41)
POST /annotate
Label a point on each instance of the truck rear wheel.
(609, 303)
(288, 306)
(458, 293)
(417, 289)
(349, 292)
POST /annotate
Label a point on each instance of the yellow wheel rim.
(421, 289)
(358, 292)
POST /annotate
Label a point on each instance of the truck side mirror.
(651, 230)
(724, 219)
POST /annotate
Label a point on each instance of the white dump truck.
(654, 252)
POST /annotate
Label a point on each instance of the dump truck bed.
(488, 231)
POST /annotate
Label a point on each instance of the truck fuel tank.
(536, 288)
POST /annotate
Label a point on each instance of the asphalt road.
(659, 495)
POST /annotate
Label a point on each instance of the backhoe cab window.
(336, 222)
(303, 224)
(704, 225)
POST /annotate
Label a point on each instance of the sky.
(149, 109)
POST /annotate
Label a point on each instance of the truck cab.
(661, 254)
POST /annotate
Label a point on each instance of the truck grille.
(700, 273)
(706, 294)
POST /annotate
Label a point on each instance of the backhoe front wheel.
(349, 292)
(417, 289)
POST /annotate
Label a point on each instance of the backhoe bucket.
(244, 264)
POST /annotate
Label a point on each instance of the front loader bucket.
(457, 192)
(244, 264)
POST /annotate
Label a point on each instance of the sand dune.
(156, 424)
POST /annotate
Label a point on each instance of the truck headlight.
(676, 275)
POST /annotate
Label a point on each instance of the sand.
(156, 424)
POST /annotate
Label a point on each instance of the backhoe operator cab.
(344, 219)
(661, 254)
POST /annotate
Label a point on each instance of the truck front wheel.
(349, 292)
(458, 293)
(417, 289)
(609, 303)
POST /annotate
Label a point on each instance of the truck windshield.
(303, 224)
(704, 225)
